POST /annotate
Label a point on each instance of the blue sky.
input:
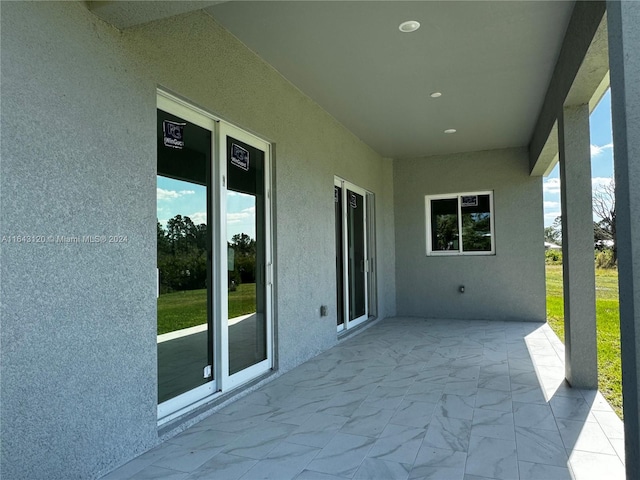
(188, 199)
(601, 159)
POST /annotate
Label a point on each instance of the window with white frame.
(460, 224)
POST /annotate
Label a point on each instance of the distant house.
(551, 246)
(602, 244)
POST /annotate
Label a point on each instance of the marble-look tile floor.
(408, 398)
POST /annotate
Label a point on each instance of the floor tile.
(494, 400)
(342, 405)
(408, 398)
(538, 471)
(258, 442)
(229, 467)
(386, 397)
(297, 410)
(493, 424)
(523, 377)
(398, 443)
(271, 394)
(184, 459)
(235, 423)
(343, 455)
(596, 466)
(413, 414)
(313, 475)
(438, 464)
(317, 430)
(610, 423)
(434, 375)
(158, 473)
(534, 415)
(424, 391)
(368, 421)
(492, 457)
(540, 446)
(455, 406)
(448, 434)
(571, 408)
(495, 381)
(595, 399)
(204, 439)
(461, 387)
(584, 436)
(527, 394)
(618, 446)
(130, 469)
(286, 461)
(377, 469)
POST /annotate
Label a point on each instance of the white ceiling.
(492, 61)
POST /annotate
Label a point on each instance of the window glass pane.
(476, 223)
(444, 224)
(184, 338)
(337, 195)
(355, 234)
(246, 255)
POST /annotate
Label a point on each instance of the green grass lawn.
(608, 326)
(178, 310)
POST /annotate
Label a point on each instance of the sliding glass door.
(213, 257)
(354, 253)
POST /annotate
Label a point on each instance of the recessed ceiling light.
(409, 26)
(436, 94)
(450, 130)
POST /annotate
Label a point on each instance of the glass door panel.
(337, 194)
(354, 254)
(246, 246)
(357, 255)
(185, 342)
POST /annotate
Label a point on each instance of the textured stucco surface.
(78, 158)
(506, 286)
(624, 44)
(581, 364)
(78, 336)
(311, 148)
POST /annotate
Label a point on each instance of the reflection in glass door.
(354, 253)
(185, 341)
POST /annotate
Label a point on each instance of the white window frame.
(459, 252)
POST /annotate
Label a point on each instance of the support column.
(623, 19)
(581, 356)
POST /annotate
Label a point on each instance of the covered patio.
(408, 398)
(375, 153)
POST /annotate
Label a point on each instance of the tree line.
(183, 254)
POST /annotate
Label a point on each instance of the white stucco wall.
(506, 286)
(79, 158)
